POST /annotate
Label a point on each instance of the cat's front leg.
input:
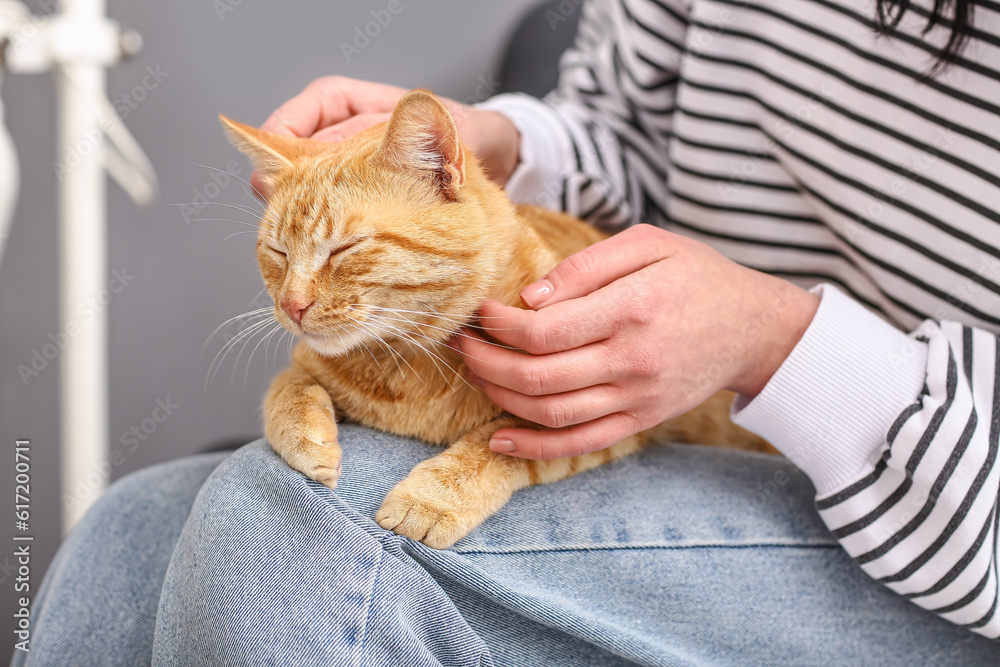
(445, 497)
(300, 424)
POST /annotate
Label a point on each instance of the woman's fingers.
(559, 410)
(599, 265)
(537, 375)
(573, 441)
(334, 134)
(562, 327)
(328, 101)
(350, 127)
(564, 324)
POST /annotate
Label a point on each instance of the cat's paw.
(312, 449)
(318, 460)
(421, 508)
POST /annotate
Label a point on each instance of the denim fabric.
(97, 603)
(679, 555)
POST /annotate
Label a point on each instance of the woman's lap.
(99, 598)
(676, 556)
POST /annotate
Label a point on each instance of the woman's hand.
(626, 334)
(333, 108)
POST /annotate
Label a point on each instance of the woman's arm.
(898, 432)
(596, 146)
(908, 486)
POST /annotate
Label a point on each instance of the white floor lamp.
(78, 43)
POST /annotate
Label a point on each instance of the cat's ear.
(270, 153)
(422, 137)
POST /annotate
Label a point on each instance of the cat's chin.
(331, 346)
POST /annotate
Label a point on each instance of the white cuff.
(829, 407)
(546, 150)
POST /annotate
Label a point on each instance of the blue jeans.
(679, 555)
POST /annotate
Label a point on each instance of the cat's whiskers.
(267, 337)
(238, 222)
(260, 212)
(235, 176)
(237, 234)
(451, 331)
(374, 358)
(277, 345)
(408, 337)
(428, 338)
(478, 327)
(393, 352)
(340, 336)
(251, 195)
(268, 216)
(266, 330)
(357, 327)
(255, 232)
(264, 218)
(220, 356)
(249, 315)
(458, 320)
(455, 322)
(244, 209)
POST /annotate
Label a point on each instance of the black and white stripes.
(923, 521)
(795, 139)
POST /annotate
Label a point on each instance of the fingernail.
(502, 445)
(535, 294)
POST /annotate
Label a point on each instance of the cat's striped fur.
(376, 250)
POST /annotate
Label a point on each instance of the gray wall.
(187, 278)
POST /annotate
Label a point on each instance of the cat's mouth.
(327, 342)
(302, 330)
(313, 335)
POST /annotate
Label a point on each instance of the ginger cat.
(375, 251)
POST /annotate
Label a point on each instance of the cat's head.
(392, 233)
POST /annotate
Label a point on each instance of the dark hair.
(889, 13)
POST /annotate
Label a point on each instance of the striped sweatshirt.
(792, 137)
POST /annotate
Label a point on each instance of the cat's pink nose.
(296, 306)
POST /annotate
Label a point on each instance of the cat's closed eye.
(344, 248)
(277, 254)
